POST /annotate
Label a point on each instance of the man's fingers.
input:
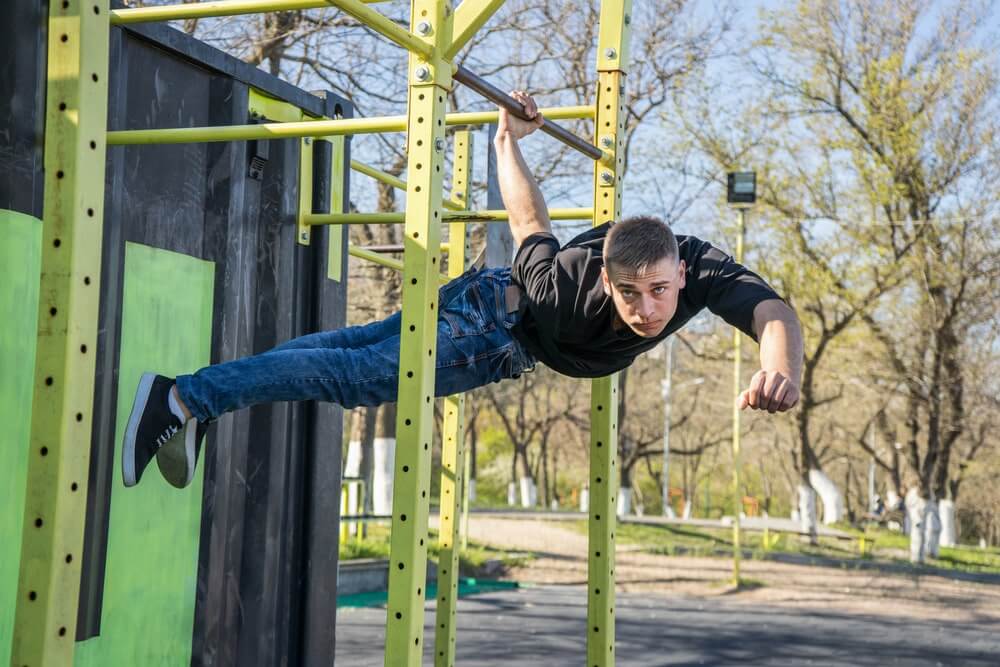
(741, 402)
(777, 403)
(768, 390)
(753, 393)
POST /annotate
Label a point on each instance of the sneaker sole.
(169, 464)
(138, 407)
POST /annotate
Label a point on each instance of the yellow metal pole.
(737, 387)
(429, 83)
(612, 59)
(311, 128)
(212, 9)
(453, 442)
(61, 419)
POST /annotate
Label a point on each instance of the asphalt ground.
(546, 626)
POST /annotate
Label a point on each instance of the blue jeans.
(360, 365)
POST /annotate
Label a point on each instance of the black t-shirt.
(568, 320)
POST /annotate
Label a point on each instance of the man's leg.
(475, 347)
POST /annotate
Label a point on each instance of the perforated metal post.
(453, 441)
(612, 57)
(58, 465)
(429, 82)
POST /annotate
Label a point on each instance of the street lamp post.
(741, 194)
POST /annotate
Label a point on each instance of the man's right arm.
(522, 197)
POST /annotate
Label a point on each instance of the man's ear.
(682, 269)
(605, 281)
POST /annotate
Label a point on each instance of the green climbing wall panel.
(153, 533)
(20, 257)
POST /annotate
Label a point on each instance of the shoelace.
(166, 435)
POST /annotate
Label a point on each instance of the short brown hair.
(637, 242)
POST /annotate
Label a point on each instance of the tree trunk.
(932, 529)
(807, 511)
(916, 510)
(526, 481)
(384, 459)
(946, 512)
(829, 494)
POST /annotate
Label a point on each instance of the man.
(586, 310)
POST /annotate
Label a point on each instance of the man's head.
(642, 273)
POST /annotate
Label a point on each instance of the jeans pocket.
(466, 315)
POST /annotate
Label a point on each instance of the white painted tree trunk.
(916, 508)
(688, 508)
(472, 490)
(807, 511)
(352, 467)
(946, 512)
(385, 460)
(528, 492)
(932, 529)
(511, 494)
(829, 494)
(624, 502)
(585, 500)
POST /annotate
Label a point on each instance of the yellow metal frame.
(75, 143)
(61, 420)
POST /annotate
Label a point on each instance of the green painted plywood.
(149, 593)
(20, 259)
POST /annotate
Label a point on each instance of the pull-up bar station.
(76, 137)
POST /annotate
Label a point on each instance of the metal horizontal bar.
(494, 94)
(393, 248)
(502, 215)
(389, 179)
(466, 216)
(306, 128)
(133, 15)
(550, 113)
(376, 258)
(354, 218)
(356, 8)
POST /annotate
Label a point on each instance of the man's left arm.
(775, 387)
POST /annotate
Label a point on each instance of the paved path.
(546, 626)
(678, 611)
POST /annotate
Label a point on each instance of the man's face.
(646, 301)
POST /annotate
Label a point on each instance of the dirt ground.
(561, 559)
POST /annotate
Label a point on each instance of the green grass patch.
(476, 561)
(880, 545)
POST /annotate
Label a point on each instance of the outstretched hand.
(771, 391)
(510, 124)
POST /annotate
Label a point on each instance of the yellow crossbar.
(451, 216)
(312, 128)
(356, 8)
(389, 179)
